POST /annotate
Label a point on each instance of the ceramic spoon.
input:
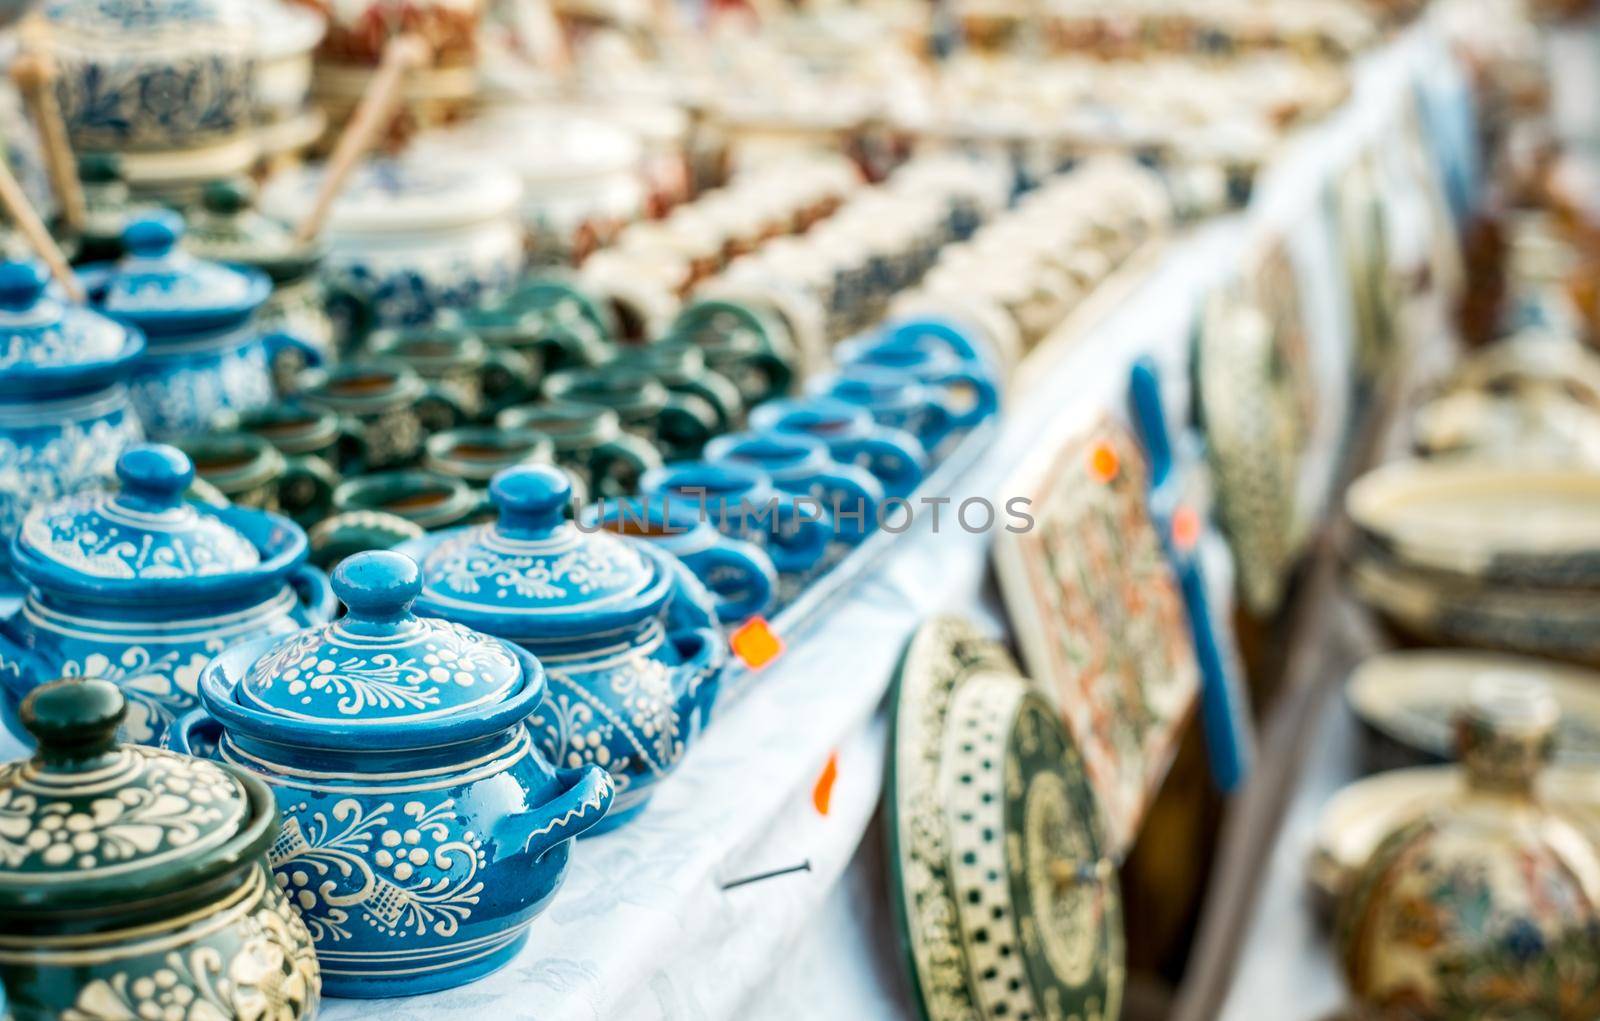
(1227, 734)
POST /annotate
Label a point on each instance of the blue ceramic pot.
(964, 389)
(632, 669)
(205, 356)
(920, 332)
(903, 399)
(740, 576)
(142, 588)
(64, 413)
(803, 466)
(422, 828)
(893, 456)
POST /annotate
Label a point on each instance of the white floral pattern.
(480, 561)
(175, 397)
(93, 535)
(158, 686)
(80, 456)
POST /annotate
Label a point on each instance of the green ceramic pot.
(589, 443)
(383, 405)
(743, 345)
(681, 368)
(250, 472)
(474, 454)
(479, 379)
(427, 499)
(342, 535)
(547, 340)
(318, 450)
(676, 424)
(134, 882)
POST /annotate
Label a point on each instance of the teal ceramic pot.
(423, 830)
(338, 536)
(548, 340)
(134, 882)
(142, 588)
(65, 413)
(629, 677)
(427, 499)
(681, 368)
(803, 466)
(893, 456)
(677, 424)
(384, 408)
(205, 354)
(315, 447)
(589, 443)
(743, 345)
(474, 377)
(245, 469)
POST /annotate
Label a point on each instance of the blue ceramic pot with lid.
(65, 414)
(630, 675)
(142, 587)
(423, 829)
(205, 354)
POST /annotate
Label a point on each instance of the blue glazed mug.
(966, 387)
(742, 502)
(803, 466)
(922, 331)
(893, 456)
(740, 576)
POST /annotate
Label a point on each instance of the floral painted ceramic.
(134, 882)
(629, 679)
(205, 357)
(65, 415)
(1489, 904)
(423, 830)
(142, 588)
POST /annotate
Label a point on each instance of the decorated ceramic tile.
(1098, 617)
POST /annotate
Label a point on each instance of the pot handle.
(316, 596)
(278, 343)
(194, 733)
(584, 803)
(699, 677)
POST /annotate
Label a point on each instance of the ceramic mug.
(893, 456)
(318, 448)
(479, 379)
(676, 424)
(742, 502)
(740, 575)
(429, 500)
(589, 443)
(803, 466)
(899, 399)
(251, 472)
(682, 369)
(968, 387)
(384, 404)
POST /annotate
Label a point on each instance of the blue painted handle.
(1220, 703)
(1150, 419)
(851, 489)
(585, 801)
(894, 456)
(800, 541)
(756, 583)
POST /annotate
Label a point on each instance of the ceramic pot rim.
(162, 323)
(28, 379)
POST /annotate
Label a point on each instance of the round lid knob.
(99, 168)
(228, 196)
(21, 286)
(377, 586)
(153, 235)
(74, 719)
(154, 476)
(532, 499)
(1506, 733)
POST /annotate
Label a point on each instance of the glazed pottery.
(627, 683)
(476, 454)
(893, 456)
(337, 536)
(589, 443)
(1005, 896)
(678, 424)
(966, 382)
(284, 34)
(142, 588)
(408, 238)
(135, 881)
(422, 828)
(681, 368)
(551, 323)
(427, 499)
(384, 408)
(739, 575)
(107, 208)
(65, 415)
(1485, 906)
(803, 466)
(742, 344)
(246, 470)
(205, 355)
(316, 448)
(477, 379)
(899, 400)
(742, 502)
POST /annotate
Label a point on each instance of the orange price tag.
(1185, 528)
(1103, 462)
(822, 793)
(755, 644)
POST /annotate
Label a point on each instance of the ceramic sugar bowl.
(423, 829)
(142, 588)
(134, 882)
(629, 678)
(1489, 905)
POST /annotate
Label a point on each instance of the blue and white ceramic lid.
(44, 337)
(533, 574)
(178, 26)
(380, 664)
(164, 290)
(146, 531)
(406, 195)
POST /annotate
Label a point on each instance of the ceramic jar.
(142, 588)
(135, 881)
(206, 356)
(423, 830)
(408, 238)
(65, 415)
(629, 678)
(1489, 904)
(893, 456)
(589, 443)
(385, 410)
(478, 379)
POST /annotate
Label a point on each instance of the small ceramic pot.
(427, 499)
(898, 399)
(549, 323)
(589, 443)
(422, 830)
(965, 387)
(681, 368)
(143, 888)
(142, 588)
(893, 456)
(316, 447)
(676, 424)
(742, 502)
(742, 344)
(476, 454)
(245, 469)
(384, 407)
(803, 466)
(479, 380)
(629, 679)
(338, 536)
(740, 576)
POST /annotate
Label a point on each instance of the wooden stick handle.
(34, 74)
(402, 54)
(33, 229)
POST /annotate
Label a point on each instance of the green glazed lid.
(89, 822)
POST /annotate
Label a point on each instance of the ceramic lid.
(380, 663)
(229, 229)
(397, 196)
(163, 289)
(533, 573)
(170, 25)
(145, 531)
(42, 336)
(89, 820)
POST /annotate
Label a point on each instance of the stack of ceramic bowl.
(1492, 555)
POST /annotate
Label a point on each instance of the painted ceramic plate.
(1098, 617)
(1413, 698)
